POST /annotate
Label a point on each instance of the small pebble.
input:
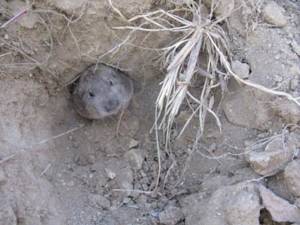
(133, 144)
(99, 201)
(241, 69)
(171, 215)
(294, 83)
(110, 174)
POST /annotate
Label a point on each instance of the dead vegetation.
(198, 34)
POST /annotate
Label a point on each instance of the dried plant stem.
(195, 36)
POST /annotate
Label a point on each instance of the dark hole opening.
(265, 218)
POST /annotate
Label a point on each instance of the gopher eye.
(110, 83)
(91, 94)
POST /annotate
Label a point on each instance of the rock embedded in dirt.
(274, 158)
(287, 110)
(292, 177)
(280, 209)
(99, 201)
(135, 158)
(133, 144)
(171, 215)
(234, 205)
(243, 208)
(274, 14)
(246, 107)
(121, 173)
(83, 159)
(241, 69)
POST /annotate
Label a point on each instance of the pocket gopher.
(101, 91)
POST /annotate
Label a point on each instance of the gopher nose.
(111, 105)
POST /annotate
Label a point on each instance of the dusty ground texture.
(57, 168)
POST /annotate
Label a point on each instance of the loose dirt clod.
(276, 156)
(274, 14)
(288, 111)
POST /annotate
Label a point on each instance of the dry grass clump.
(197, 34)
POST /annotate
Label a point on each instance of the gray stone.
(171, 215)
(287, 110)
(241, 69)
(135, 158)
(243, 208)
(292, 177)
(274, 14)
(275, 157)
(280, 209)
(246, 107)
(133, 143)
(235, 205)
(121, 172)
(98, 201)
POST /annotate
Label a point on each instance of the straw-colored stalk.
(198, 35)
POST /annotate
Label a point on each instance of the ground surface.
(58, 168)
